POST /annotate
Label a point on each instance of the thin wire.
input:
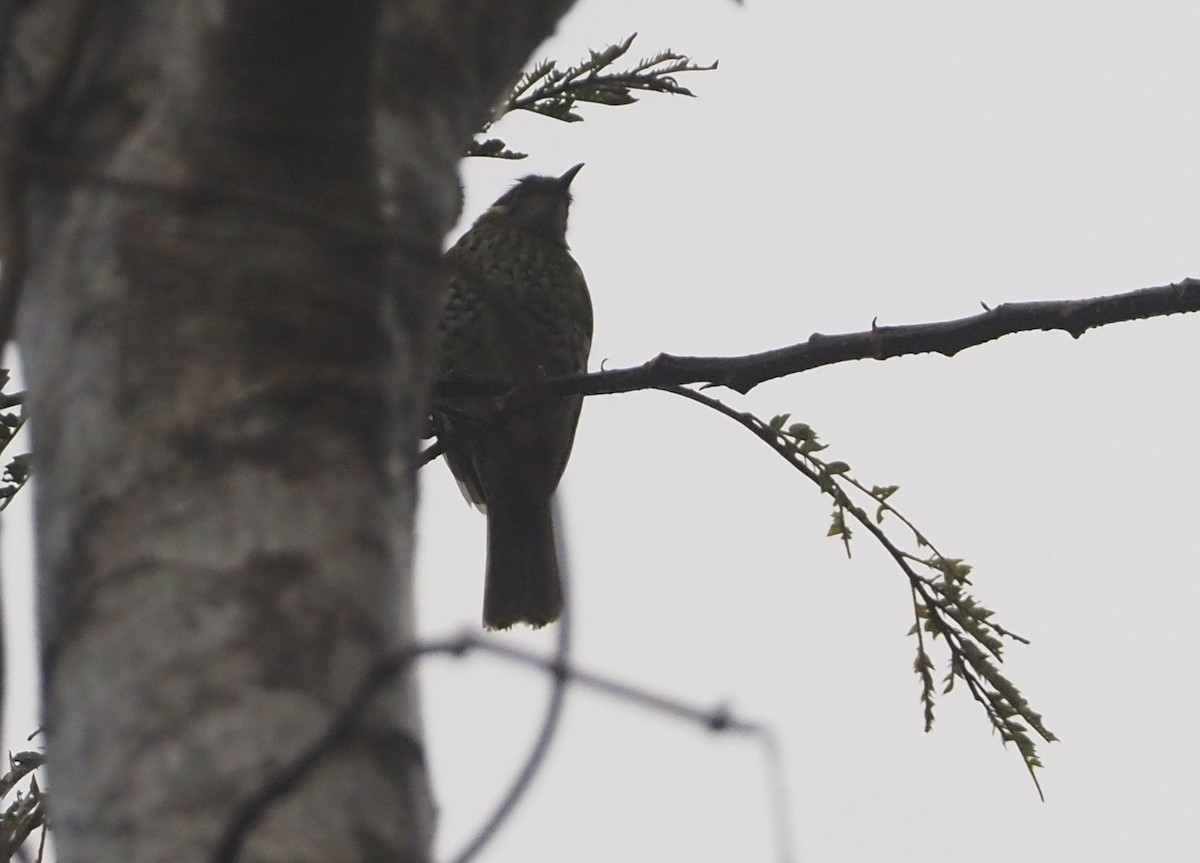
(719, 719)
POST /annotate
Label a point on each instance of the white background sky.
(851, 161)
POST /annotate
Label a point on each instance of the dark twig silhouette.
(743, 373)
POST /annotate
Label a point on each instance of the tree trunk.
(234, 213)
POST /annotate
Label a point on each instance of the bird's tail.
(522, 583)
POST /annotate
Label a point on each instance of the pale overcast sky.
(851, 161)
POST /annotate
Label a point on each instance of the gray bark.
(234, 213)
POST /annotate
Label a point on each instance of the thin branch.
(743, 373)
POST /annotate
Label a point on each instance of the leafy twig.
(27, 811)
(556, 93)
(12, 420)
(942, 606)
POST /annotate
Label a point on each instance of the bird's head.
(539, 204)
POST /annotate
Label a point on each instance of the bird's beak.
(565, 180)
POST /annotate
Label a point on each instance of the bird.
(518, 312)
